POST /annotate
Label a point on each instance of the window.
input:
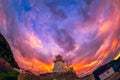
(108, 72)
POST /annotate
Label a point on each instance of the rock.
(49, 76)
(4, 66)
(6, 53)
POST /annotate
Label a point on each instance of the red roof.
(58, 56)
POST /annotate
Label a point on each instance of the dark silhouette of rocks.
(6, 53)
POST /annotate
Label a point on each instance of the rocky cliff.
(5, 52)
(7, 61)
(49, 76)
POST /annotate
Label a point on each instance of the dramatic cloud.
(85, 32)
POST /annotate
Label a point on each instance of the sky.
(85, 32)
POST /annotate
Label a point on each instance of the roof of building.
(59, 56)
(106, 66)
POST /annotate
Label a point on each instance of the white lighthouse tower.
(58, 64)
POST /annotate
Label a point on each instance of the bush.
(9, 76)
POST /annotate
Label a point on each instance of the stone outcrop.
(4, 66)
(6, 53)
(49, 76)
(88, 77)
(115, 76)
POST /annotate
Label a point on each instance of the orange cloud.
(105, 26)
(117, 56)
(34, 41)
(34, 65)
(114, 44)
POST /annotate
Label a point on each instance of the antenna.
(32, 66)
(67, 63)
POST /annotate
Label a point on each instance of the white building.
(107, 73)
(59, 64)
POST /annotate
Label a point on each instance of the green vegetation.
(9, 76)
(7, 55)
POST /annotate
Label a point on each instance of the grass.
(9, 76)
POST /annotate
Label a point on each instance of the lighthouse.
(58, 64)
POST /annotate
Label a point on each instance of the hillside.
(5, 52)
(7, 62)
